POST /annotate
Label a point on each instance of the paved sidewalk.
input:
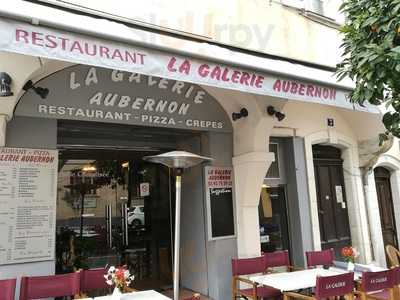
(183, 294)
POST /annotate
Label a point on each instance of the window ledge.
(320, 18)
(313, 16)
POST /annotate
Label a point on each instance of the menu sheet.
(28, 189)
(220, 211)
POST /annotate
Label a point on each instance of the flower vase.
(350, 266)
(116, 295)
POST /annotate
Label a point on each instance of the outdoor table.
(297, 280)
(142, 295)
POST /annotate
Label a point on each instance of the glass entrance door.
(147, 251)
(115, 212)
(273, 220)
(88, 215)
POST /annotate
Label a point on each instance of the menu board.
(28, 188)
(220, 211)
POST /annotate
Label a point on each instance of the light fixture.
(42, 92)
(89, 169)
(241, 114)
(125, 164)
(178, 161)
(5, 82)
(273, 112)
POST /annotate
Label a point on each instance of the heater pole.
(178, 185)
(178, 161)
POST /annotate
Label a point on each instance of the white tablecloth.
(293, 281)
(143, 295)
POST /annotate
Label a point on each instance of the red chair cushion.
(334, 286)
(7, 288)
(93, 279)
(276, 259)
(262, 292)
(320, 258)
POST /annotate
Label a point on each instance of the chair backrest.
(396, 275)
(277, 259)
(320, 258)
(334, 286)
(93, 279)
(375, 281)
(393, 255)
(50, 286)
(246, 266)
(7, 288)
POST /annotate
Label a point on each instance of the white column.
(250, 170)
(3, 127)
(395, 185)
(374, 219)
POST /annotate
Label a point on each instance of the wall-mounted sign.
(28, 189)
(220, 209)
(94, 94)
(90, 201)
(77, 48)
(339, 194)
(144, 189)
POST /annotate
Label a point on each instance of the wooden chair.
(7, 288)
(377, 286)
(393, 255)
(50, 286)
(328, 287)
(396, 279)
(277, 259)
(320, 258)
(250, 266)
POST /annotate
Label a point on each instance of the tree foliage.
(371, 55)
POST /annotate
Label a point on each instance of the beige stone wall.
(251, 136)
(266, 26)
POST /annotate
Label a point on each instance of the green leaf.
(371, 55)
(396, 49)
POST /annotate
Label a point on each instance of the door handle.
(321, 212)
(109, 225)
(124, 219)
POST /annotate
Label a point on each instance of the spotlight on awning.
(42, 92)
(243, 113)
(5, 82)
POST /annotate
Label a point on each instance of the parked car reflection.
(136, 216)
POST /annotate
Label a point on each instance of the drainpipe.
(365, 171)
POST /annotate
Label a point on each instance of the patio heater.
(178, 161)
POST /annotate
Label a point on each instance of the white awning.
(65, 36)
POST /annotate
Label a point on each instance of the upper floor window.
(317, 6)
(325, 8)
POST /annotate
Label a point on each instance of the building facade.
(120, 90)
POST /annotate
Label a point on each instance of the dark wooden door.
(384, 193)
(331, 198)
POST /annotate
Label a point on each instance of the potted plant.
(120, 278)
(349, 255)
